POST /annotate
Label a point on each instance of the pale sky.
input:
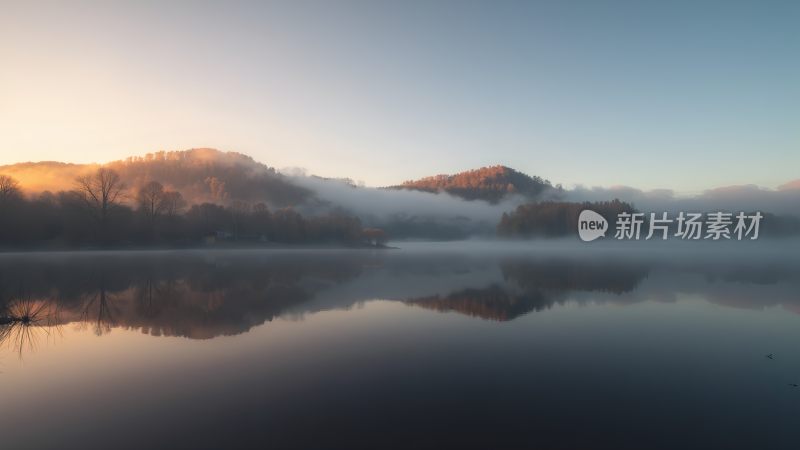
(682, 95)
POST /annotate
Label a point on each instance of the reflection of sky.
(396, 369)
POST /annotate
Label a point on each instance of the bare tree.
(151, 200)
(101, 191)
(9, 188)
(173, 203)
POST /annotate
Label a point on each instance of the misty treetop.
(102, 210)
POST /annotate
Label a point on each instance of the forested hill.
(487, 183)
(201, 175)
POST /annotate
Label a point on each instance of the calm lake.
(456, 345)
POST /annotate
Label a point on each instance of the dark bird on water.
(770, 356)
(794, 385)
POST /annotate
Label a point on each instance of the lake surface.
(430, 346)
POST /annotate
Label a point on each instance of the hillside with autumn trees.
(191, 198)
(487, 183)
(200, 175)
(212, 189)
(208, 197)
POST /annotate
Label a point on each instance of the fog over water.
(380, 207)
(297, 281)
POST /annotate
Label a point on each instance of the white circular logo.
(591, 225)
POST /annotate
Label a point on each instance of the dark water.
(433, 347)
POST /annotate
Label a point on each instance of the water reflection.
(534, 285)
(399, 350)
(201, 296)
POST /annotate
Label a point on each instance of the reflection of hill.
(534, 286)
(190, 297)
(174, 308)
(205, 294)
(492, 303)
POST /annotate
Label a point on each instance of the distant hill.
(35, 177)
(201, 175)
(791, 185)
(487, 183)
(209, 175)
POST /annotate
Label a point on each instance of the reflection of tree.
(152, 296)
(190, 295)
(203, 295)
(99, 311)
(23, 321)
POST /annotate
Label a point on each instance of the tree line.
(554, 219)
(102, 211)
